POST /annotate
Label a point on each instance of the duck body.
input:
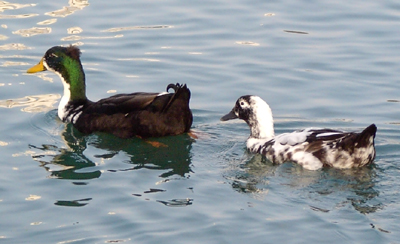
(124, 115)
(312, 148)
(135, 114)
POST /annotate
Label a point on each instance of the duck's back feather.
(137, 114)
(315, 148)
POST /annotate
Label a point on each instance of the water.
(317, 64)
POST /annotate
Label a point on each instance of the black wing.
(126, 103)
(326, 135)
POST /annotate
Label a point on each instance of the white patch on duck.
(162, 93)
(293, 138)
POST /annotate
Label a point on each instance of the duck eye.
(241, 103)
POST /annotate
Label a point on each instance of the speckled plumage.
(124, 115)
(312, 148)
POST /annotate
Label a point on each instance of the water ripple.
(14, 46)
(32, 104)
(117, 29)
(17, 16)
(68, 10)
(77, 38)
(47, 22)
(33, 31)
(10, 6)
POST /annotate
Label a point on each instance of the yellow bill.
(37, 68)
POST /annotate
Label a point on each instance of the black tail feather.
(174, 86)
(368, 132)
(180, 91)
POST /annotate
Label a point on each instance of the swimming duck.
(124, 115)
(311, 148)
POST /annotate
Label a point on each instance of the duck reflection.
(171, 155)
(255, 175)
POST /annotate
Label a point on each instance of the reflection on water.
(47, 22)
(248, 43)
(66, 163)
(13, 46)
(74, 30)
(74, 5)
(73, 203)
(17, 16)
(32, 104)
(177, 202)
(71, 163)
(10, 63)
(117, 29)
(11, 6)
(77, 38)
(33, 31)
(295, 32)
(255, 174)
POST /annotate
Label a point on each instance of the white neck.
(62, 110)
(262, 123)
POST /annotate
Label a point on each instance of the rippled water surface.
(318, 64)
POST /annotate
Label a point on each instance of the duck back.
(138, 114)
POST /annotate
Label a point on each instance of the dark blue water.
(317, 64)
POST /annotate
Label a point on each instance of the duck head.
(256, 113)
(65, 61)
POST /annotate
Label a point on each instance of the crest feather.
(73, 52)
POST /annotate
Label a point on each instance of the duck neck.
(262, 125)
(73, 80)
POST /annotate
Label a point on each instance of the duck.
(139, 114)
(312, 148)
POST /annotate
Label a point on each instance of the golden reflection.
(33, 198)
(47, 22)
(33, 31)
(36, 223)
(74, 5)
(74, 30)
(32, 104)
(77, 38)
(18, 56)
(13, 46)
(3, 143)
(10, 6)
(10, 63)
(117, 29)
(3, 37)
(18, 16)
